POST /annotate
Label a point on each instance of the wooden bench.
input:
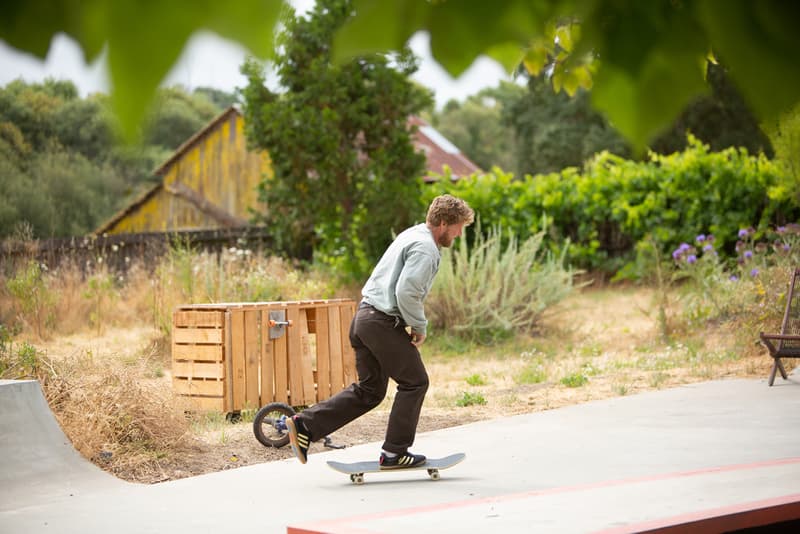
(787, 343)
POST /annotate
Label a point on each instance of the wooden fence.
(233, 356)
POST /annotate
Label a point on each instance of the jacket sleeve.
(412, 287)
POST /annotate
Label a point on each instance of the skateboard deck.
(357, 470)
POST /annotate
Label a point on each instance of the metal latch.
(277, 323)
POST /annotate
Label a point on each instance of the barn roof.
(440, 152)
(189, 143)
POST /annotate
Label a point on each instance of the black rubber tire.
(264, 424)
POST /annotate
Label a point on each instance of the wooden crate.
(226, 357)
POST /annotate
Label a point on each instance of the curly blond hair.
(449, 210)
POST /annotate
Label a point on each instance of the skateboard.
(357, 470)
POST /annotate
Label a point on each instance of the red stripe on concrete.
(329, 525)
(725, 518)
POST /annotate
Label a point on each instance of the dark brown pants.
(383, 350)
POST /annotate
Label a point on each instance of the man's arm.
(412, 287)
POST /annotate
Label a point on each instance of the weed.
(470, 399)
(532, 374)
(476, 380)
(574, 380)
(33, 297)
(658, 378)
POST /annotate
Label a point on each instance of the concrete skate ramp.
(37, 461)
(707, 457)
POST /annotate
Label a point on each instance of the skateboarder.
(392, 300)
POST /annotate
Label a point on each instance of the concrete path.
(674, 457)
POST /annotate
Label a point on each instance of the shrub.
(488, 292)
(612, 204)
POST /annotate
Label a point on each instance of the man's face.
(448, 233)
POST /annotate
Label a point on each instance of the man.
(392, 300)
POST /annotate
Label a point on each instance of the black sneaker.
(299, 437)
(401, 461)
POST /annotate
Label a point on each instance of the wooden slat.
(252, 357)
(197, 335)
(296, 395)
(267, 364)
(192, 369)
(306, 361)
(335, 349)
(237, 382)
(183, 319)
(197, 352)
(323, 356)
(348, 356)
(228, 363)
(209, 388)
(281, 353)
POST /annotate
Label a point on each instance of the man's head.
(447, 216)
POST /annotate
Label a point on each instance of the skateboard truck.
(278, 323)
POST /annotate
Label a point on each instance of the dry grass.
(109, 382)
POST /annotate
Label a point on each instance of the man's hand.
(417, 339)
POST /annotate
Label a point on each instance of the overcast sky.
(211, 61)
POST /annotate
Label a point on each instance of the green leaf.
(144, 38)
(760, 43)
(536, 58)
(459, 30)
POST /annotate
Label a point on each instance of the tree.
(345, 171)
(554, 131)
(221, 99)
(176, 116)
(476, 126)
(720, 119)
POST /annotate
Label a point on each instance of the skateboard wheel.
(357, 479)
(434, 473)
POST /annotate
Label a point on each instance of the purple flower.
(786, 247)
(748, 254)
(691, 258)
(676, 254)
(781, 229)
(734, 278)
(700, 238)
(684, 247)
(754, 273)
(742, 233)
(708, 248)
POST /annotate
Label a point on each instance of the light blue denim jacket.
(404, 276)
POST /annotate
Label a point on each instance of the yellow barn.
(208, 183)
